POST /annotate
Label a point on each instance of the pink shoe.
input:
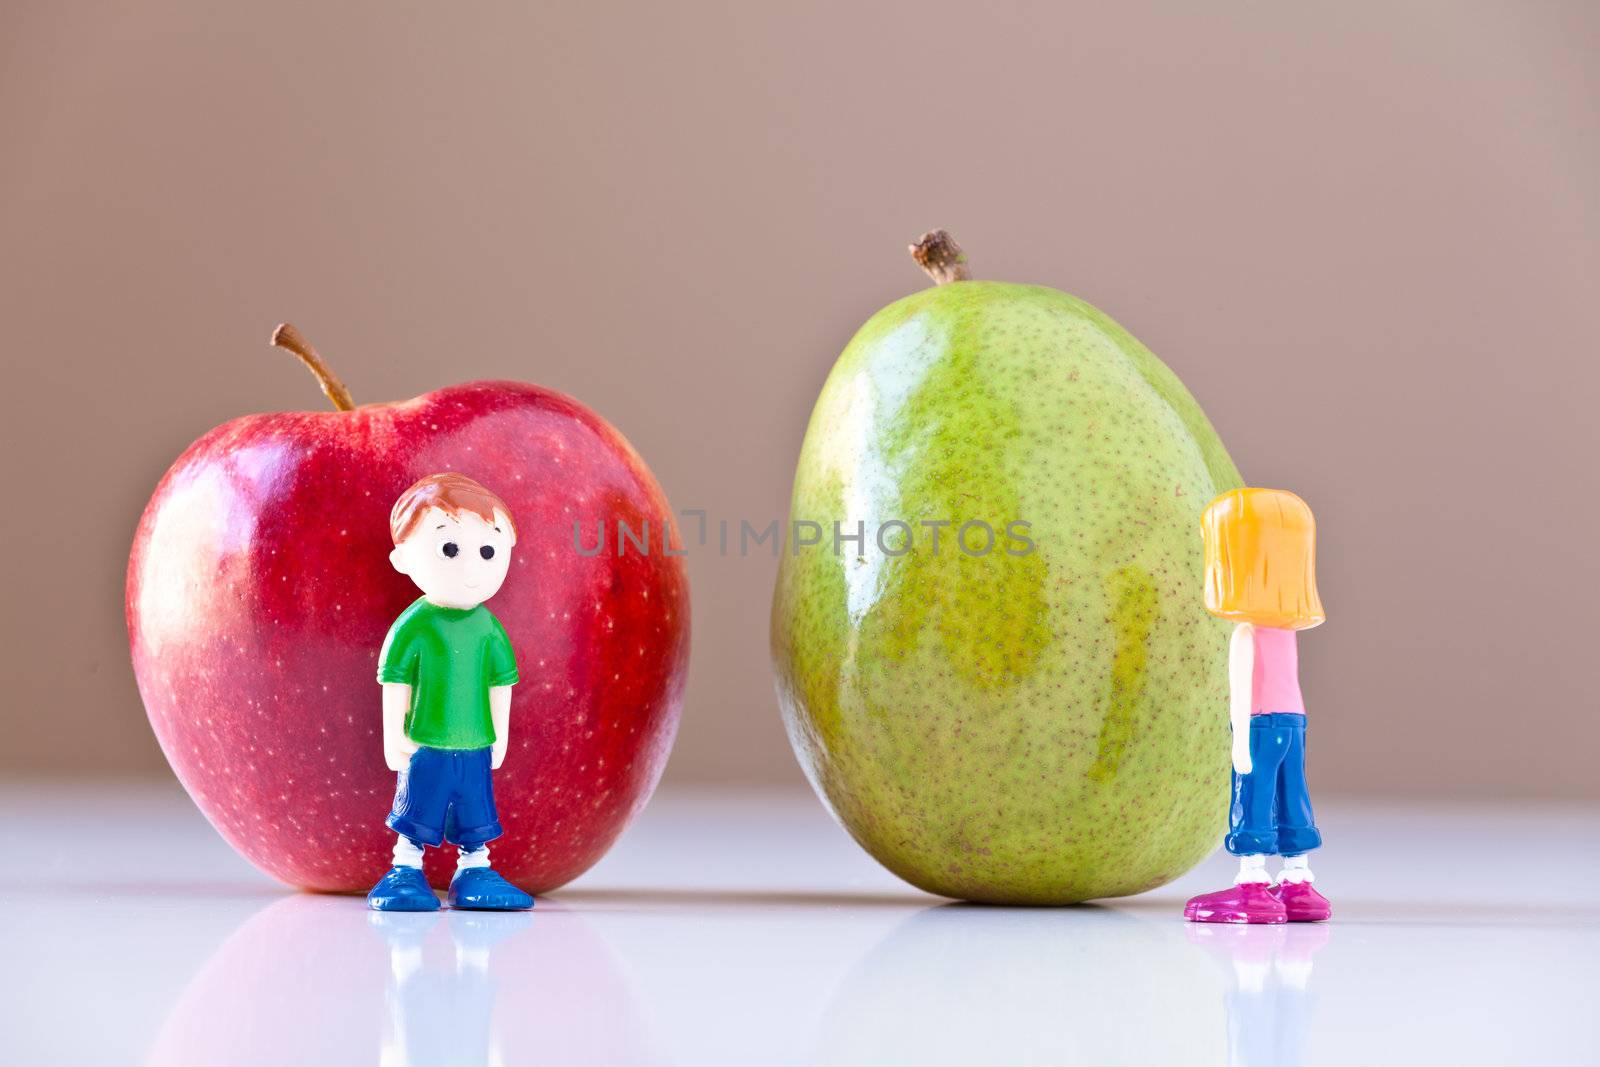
(1247, 902)
(1302, 903)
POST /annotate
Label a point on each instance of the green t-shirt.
(451, 659)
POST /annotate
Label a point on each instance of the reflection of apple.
(307, 980)
(259, 591)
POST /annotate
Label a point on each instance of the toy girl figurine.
(1261, 556)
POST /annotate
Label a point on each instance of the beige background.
(1364, 234)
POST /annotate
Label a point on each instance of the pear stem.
(287, 337)
(937, 253)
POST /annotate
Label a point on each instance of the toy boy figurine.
(447, 670)
(1261, 556)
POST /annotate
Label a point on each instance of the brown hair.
(451, 493)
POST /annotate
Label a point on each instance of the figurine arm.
(397, 747)
(500, 713)
(1241, 679)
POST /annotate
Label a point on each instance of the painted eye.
(487, 552)
(449, 549)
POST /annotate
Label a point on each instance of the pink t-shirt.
(1276, 685)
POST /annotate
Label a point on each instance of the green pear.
(1036, 715)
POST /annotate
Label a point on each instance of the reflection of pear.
(313, 979)
(984, 985)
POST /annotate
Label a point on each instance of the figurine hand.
(398, 755)
(497, 756)
(1241, 759)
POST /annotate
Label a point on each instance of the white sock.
(1296, 869)
(1251, 974)
(1294, 973)
(474, 958)
(407, 853)
(404, 961)
(1252, 869)
(478, 857)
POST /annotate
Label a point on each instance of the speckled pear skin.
(1039, 727)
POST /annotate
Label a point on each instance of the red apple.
(260, 589)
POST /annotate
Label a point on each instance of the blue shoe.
(403, 889)
(482, 889)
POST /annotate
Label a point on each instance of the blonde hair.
(1261, 559)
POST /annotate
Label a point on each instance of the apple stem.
(286, 336)
(937, 253)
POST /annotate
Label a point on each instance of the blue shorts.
(446, 794)
(1271, 813)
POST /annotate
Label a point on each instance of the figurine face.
(458, 561)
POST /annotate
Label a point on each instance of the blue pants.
(446, 794)
(1271, 813)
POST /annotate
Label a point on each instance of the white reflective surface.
(746, 928)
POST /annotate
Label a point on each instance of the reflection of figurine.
(1260, 547)
(1269, 999)
(442, 1011)
(447, 670)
